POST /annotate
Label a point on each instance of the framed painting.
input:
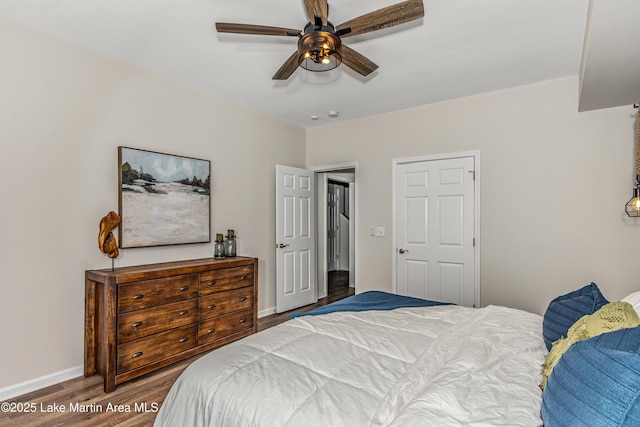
(163, 199)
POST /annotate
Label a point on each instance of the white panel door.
(295, 240)
(434, 215)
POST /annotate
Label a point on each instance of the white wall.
(553, 187)
(63, 113)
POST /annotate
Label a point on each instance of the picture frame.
(163, 199)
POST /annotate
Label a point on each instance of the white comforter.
(432, 366)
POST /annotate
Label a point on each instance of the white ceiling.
(460, 48)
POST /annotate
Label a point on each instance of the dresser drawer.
(221, 326)
(225, 302)
(149, 293)
(225, 279)
(140, 323)
(134, 354)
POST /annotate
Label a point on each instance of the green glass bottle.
(218, 248)
(230, 244)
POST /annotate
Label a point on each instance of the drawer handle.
(243, 277)
(243, 298)
(183, 312)
(137, 296)
(184, 288)
(212, 306)
(185, 339)
(211, 282)
(138, 354)
(135, 325)
(212, 330)
(243, 320)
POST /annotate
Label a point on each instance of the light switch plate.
(376, 231)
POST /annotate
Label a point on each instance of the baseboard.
(266, 312)
(39, 383)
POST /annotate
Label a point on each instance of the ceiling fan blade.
(288, 67)
(357, 62)
(225, 27)
(384, 18)
(317, 8)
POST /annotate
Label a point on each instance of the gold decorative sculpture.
(106, 242)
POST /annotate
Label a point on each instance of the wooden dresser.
(139, 319)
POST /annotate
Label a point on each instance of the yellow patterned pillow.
(611, 317)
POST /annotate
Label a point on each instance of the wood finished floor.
(150, 390)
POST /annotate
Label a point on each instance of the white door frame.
(352, 235)
(321, 282)
(476, 155)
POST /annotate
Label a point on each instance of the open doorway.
(336, 222)
(338, 242)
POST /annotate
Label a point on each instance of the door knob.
(403, 250)
(280, 245)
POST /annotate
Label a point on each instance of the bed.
(429, 364)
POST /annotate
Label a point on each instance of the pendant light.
(633, 206)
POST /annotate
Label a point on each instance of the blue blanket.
(370, 300)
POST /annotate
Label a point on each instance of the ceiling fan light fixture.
(319, 51)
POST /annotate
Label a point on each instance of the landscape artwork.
(163, 199)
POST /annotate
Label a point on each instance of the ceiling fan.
(320, 46)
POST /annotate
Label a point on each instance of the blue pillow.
(565, 310)
(596, 383)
